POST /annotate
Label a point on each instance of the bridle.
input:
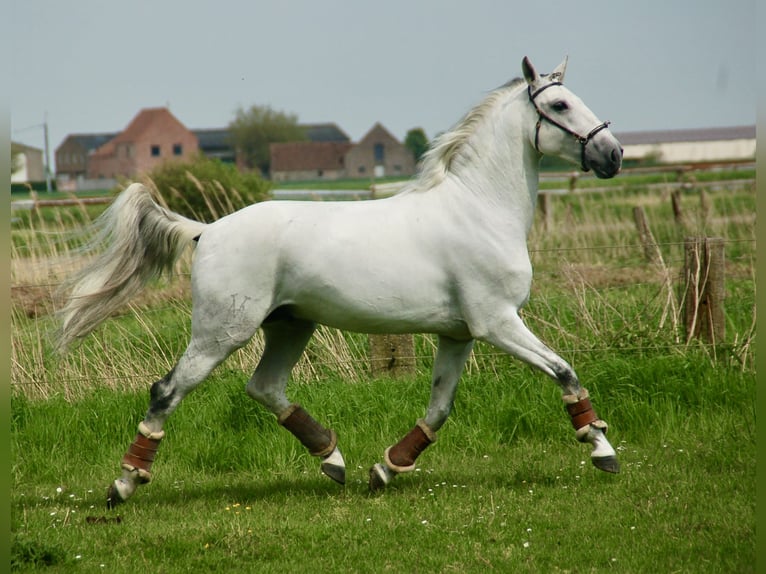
(541, 115)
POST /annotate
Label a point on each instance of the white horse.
(448, 256)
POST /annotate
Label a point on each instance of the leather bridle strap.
(541, 115)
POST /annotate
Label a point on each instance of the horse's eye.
(560, 106)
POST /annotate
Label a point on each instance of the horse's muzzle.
(604, 156)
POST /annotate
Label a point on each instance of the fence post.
(392, 355)
(678, 213)
(705, 289)
(544, 205)
(651, 250)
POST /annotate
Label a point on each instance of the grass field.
(506, 487)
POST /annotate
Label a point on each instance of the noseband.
(541, 115)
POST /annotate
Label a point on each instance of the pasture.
(505, 488)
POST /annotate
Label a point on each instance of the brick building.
(152, 137)
(377, 154)
(73, 155)
(300, 161)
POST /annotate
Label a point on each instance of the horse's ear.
(530, 74)
(558, 74)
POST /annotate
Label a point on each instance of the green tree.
(252, 131)
(417, 142)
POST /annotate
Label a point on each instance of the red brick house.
(152, 137)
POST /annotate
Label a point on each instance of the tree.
(254, 129)
(417, 142)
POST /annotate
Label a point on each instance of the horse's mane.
(437, 161)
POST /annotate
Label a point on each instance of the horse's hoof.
(380, 476)
(334, 471)
(334, 466)
(113, 497)
(606, 463)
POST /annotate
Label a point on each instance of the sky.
(89, 66)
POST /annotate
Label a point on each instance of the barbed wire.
(628, 246)
(369, 361)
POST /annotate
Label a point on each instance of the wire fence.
(657, 283)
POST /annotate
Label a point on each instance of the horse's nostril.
(616, 157)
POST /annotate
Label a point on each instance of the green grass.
(506, 486)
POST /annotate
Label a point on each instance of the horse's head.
(566, 128)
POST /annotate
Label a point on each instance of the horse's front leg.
(511, 335)
(451, 356)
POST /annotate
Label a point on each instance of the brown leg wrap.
(318, 440)
(140, 456)
(401, 457)
(582, 413)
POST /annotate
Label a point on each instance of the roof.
(89, 142)
(24, 148)
(296, 156)
(687, 135)
(377, 131)
(327, 132)
(213, 138)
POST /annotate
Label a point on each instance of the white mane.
(437, 161)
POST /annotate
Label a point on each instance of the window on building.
(178, 149)
(361, 169)
(155, 151)
(379, 152)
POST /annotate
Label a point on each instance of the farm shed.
(298, 161)
(690, 145)
(379, 154)
(29, 166)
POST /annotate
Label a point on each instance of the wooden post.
(392, 355)
(651, 250)
(705, 289)
(678, 213)
(705, 207)
(544, 205)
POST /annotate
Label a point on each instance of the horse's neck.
(499, 173)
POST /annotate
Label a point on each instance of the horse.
(446, 256)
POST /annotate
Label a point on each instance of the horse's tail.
(135, 240)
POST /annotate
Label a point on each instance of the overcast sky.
(91, 65)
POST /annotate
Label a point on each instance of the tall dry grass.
(593, 291)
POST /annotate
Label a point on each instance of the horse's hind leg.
(285, 341)
(448, 366)
(166, 394)
(511, 335)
